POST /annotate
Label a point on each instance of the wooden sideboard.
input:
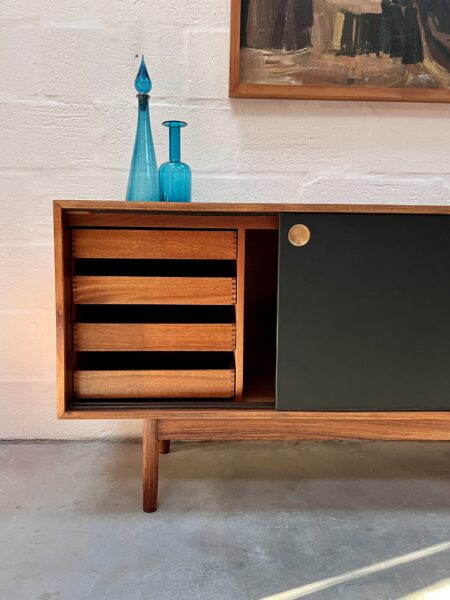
(254, 321)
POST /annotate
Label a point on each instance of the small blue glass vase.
(143, 181)
(175, 180)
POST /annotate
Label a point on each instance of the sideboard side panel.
(63, 298)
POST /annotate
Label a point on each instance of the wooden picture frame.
(241, 89)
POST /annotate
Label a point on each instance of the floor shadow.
(248, 476)
(393, 476)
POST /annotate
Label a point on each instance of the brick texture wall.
(67, 114)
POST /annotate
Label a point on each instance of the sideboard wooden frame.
(162, 425)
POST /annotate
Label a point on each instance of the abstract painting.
(341, 49)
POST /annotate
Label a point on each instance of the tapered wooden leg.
(150, 461)
(164, 446)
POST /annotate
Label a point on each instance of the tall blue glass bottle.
(143, 181)
(175, 176)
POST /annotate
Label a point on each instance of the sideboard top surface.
(242, 208)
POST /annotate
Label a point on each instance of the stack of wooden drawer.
(154, 313)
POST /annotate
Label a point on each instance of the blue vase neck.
(143, 134)
(174, 144)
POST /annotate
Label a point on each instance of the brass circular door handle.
(299, 235)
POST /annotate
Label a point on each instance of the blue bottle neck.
(144, 133)
(142, 103)
(174, 144)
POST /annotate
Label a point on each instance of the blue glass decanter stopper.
(143, 182)
(175, 176)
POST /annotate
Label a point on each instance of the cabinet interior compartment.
(164, 318)
(260, 314)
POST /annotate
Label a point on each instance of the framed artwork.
(391, 50)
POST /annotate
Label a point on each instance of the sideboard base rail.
(157, 434)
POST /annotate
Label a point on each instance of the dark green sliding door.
(364, 312)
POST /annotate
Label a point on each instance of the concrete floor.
(236, 521)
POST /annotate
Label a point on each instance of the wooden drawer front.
(154, 384)
(154, 336)
(154, 290)
(157, 244)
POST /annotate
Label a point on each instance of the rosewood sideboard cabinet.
(254, 321)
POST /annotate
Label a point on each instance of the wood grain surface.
(316, 92)
(157, 244)
(154, 336)
(150, 464)
(208, 383)
(318, 426)
(175, 220)
(154, 290)
(63, 301)
(84, 207)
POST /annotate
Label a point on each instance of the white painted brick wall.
(67, 115)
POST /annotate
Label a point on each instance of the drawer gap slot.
(136, 361)
(125, 267)
(153, 313)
